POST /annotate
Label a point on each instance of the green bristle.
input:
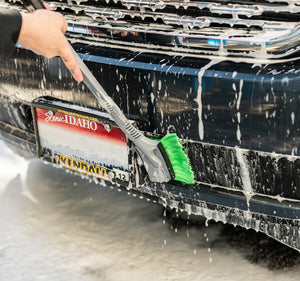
(179, 160)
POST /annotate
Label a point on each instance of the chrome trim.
(234, 9)
(167, 18)
(214, 7)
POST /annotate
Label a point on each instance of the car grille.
(258, 29)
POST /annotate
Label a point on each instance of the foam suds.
(244, 174)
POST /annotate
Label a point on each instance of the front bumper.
(239, 123)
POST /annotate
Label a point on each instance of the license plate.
(80, 139)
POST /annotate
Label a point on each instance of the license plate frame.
(84, 140)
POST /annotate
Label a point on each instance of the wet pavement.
(57, 226)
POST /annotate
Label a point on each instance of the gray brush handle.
(106, 101)
(148, 149)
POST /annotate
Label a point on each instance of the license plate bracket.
(81, 139)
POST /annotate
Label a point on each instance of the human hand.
(42, 32)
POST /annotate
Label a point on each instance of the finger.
(47, 6)
(71, 63)
(73, 67)
(65, 25)
(62, 22)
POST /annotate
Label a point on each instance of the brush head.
(178, 161)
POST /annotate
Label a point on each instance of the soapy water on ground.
(56, 226)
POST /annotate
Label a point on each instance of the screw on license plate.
(107, 127)
(51, 113)
(111, 175)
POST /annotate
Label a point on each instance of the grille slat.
(166, 18)
(266, 28)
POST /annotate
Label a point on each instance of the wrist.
(23, 35)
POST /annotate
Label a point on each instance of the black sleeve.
(10, 25)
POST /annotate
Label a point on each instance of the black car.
(224, 75)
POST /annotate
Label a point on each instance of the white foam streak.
(199, 96)
(244, 172)
(238, 104)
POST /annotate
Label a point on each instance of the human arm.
(42, 31)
